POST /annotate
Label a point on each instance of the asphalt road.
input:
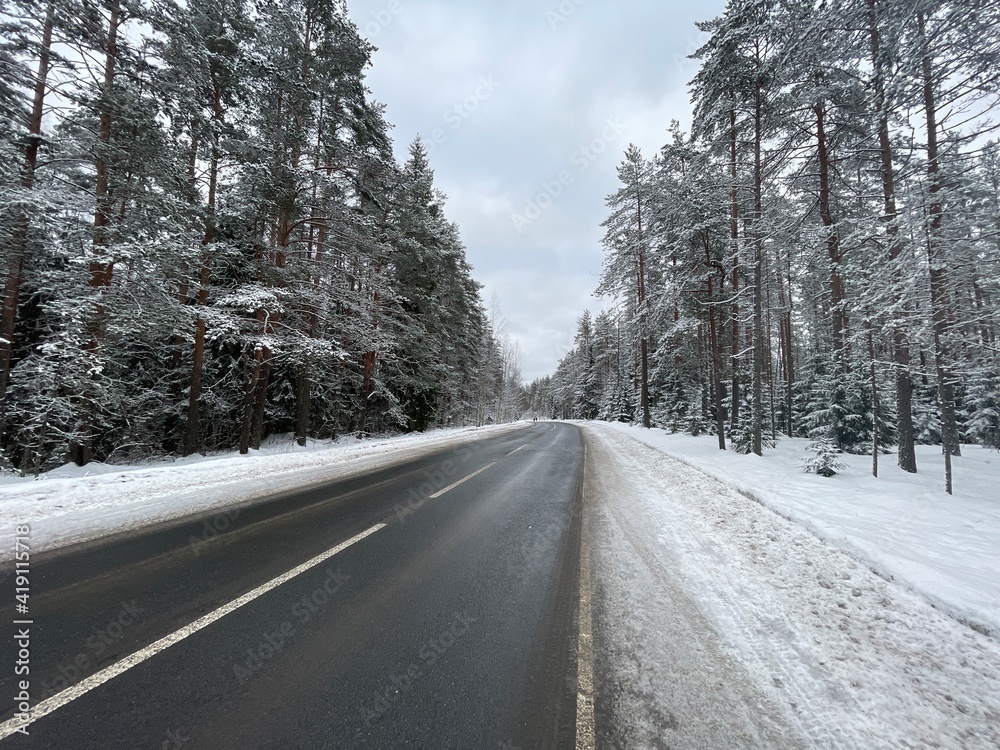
(454, 625)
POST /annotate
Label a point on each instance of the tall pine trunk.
(368, 360)
(873, 373)
(757, 418)
(193, 432)
(906, 456)
(734, 238)
(644, 340)
(720, 420)
(785, 352)
(936, 263)
(15, 271)
(257, 375)
(314, 255)
(837, 292)
(101, 269)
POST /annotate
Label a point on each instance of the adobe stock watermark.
(552, 189)
(457, 114)
(212, 528)
(175, 739)
(684, 65)
(379, 20)
(436, 479)
(428, 655)
(274, 640)
(74, 668)
(22, 623)
(562, 13)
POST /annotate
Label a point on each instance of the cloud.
(558, 84)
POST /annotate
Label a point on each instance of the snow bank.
(723, 624)
(903, 526)
(76, 504)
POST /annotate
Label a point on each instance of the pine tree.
(625, 242)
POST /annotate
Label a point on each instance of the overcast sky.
(527, 108)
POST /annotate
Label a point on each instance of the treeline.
(206, 238)
(820, 256)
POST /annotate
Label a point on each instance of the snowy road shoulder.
(904, 526)
(805, 646)
(72, 505)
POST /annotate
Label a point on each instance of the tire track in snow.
(676, 688)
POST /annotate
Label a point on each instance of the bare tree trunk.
(906, 456)
(720, 422)
(193, 436)
(317, 240)
(875, 398)
(303, 389)
(938, 272)
(643, 341)
(260, 399)
(758, 280)
(769, 359)
(837, 292)
(367, 384)
(264, 359)
(101, 270)
(303, 382)
(248, 401)
(369, 359)
(250, 396)
(15, 272)
(102, 215)
(734, 237)
(785, 352)
(983, 305)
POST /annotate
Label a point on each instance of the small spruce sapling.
(824, 460)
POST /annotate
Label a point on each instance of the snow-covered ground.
(904, 526)
(73, 504)
(720, 623)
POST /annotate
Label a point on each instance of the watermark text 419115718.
(22, 627)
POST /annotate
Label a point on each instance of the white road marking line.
(57, 701)
(465, 479)
(517, 449)
(585, 721)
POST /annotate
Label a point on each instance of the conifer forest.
(206, 239)
(820, 255)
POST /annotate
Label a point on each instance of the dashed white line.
(517, 449)
(57, 701)
(463, 479)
